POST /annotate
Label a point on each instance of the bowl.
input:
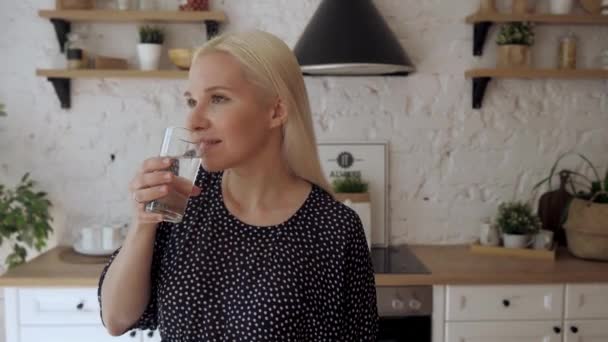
(181, 58)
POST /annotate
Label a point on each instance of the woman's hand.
(154, 181)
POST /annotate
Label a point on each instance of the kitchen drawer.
(586, 301)
(510, 302)
(58, 306)
(509, 331)
(586, 331)
(82, 333)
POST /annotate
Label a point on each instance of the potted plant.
(514, 41)
(585, 216)
(517, 223)
(149, 48)
(351, 190)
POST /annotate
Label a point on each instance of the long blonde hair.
(271, 65)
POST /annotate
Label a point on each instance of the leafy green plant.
(516, 33)
(580, 186)
(349, 184)
(517, 218)
(2, 112)
(24, 217)
(151, 35)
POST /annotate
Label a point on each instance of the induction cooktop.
(396, 259)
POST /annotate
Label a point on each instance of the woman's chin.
(211, 167)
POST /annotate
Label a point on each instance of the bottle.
(75, 52)
(567, 52)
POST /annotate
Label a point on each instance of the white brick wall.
(450, 165)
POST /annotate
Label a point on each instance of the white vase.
(516, 240)
(560, 6)
(361, 204)
(149, 56)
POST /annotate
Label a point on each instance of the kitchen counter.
(452, 264)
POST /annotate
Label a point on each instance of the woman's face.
(231, 118)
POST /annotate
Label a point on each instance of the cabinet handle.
(151, 333)
(133, 333)
(80, 306)
(574, 329)
(557, 330)
(506, 303)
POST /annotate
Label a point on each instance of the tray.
(528, 253)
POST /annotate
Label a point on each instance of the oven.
(405, 313)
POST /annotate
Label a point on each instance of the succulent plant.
(151, 35)
(516, 33)
(349, 184)
(517, 218)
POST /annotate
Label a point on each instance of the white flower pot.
(560, 6)
(517, 241)
(149, 56)
(361, 204)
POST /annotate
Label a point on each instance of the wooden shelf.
(481, 77)
(96, 73)
(133, 16)
(589, 19)
(539, 73)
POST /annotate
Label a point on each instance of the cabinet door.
(505, 331)
(80, 333)
(508, 302)
(58, 306)
(151, 336)
(586, 331)
(587, 301)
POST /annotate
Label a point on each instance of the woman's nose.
(197, 119)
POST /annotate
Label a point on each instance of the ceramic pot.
(149, 56)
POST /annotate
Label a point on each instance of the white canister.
(90, 238)
(561, 6)
(489, 235)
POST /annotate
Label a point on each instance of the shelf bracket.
(479, 89)
(62, 88)
(480, 33)
(213, 28)
(62, 28)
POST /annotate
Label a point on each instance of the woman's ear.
(279, 114)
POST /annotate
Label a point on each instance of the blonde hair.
(271, 65)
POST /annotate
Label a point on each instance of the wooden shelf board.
(129, 16)
(103, 73)
(589, 19)
(539, 73)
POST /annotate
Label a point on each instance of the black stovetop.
(396, 259)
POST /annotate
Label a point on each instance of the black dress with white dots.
(216, 278)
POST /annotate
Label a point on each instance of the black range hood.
(350, 37)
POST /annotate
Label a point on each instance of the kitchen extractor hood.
(350, 38)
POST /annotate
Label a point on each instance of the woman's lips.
(207, 145)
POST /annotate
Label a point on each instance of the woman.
(264, 252)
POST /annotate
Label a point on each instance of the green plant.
(516, 33)
(517, 218)
(580, 186)
(151, 35)
(349, 184)
(24, 217)
(2, 112)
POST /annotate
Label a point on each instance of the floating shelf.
(483, 21)
(104, 73)
(481, 77)
(62, 20)
(61, 79)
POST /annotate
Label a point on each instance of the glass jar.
(75, 52)
(567, 52)
(148, 5)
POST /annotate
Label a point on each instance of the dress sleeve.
(361, 310)
(149, 318)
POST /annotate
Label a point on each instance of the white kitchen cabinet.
(586, 331)
(69, 333)
(587, 301)
(510, 302)
(506, 331)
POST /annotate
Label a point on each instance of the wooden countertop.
(447, 265)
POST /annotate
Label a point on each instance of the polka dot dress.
(215, 278)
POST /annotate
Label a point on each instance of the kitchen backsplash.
(450, 165)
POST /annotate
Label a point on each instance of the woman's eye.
(191, 102)
(218, 99)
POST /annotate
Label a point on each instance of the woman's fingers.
(150, 194)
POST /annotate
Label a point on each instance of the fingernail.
(167, 160)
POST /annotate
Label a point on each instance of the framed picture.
(369, 160)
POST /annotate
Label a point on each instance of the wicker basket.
(587, 229)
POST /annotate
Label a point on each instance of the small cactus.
(151, 35)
